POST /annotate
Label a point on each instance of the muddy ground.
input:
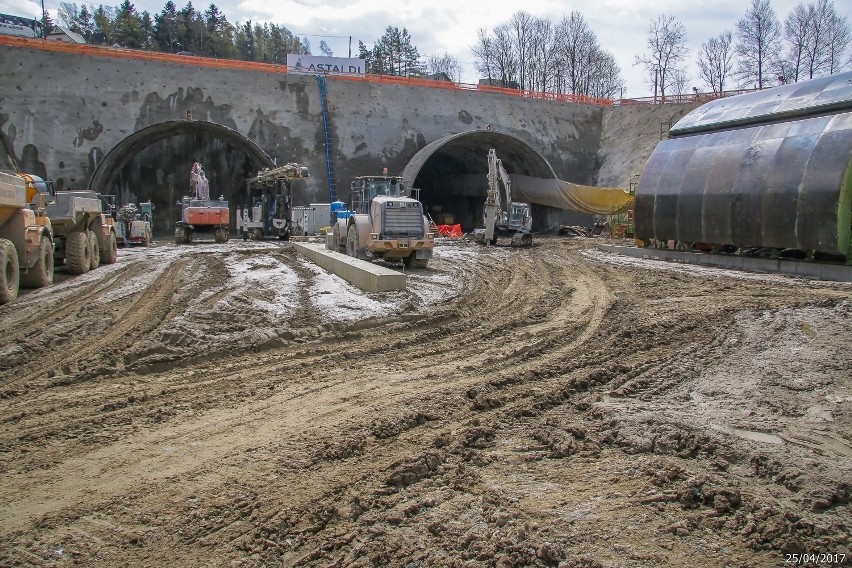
(232, 405)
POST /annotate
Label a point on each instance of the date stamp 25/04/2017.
(828, 558)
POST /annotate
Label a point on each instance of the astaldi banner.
(324, 65)
(16, 25)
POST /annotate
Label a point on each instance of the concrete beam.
(365, 275)
(813, 270)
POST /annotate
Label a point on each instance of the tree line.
(813, 41)
(526, 52)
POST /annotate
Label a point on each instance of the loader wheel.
(220, 236)
(526, 240)
(9, 272)
(109, 252)
(411, 261)
(40, 274)
(180, 236)
(352, 242)
(77, 251)
(94, 251)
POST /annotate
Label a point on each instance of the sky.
(450, 26)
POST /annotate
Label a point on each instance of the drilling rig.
(270, 202)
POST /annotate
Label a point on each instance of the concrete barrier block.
(365, 275)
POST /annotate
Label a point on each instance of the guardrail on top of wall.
(212, 62)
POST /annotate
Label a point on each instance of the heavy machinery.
(268, 213)
(386, 221)
(26, 237)
(205, 217)
(133, 224)
(501, 215)
(201, 215)
(84, 236)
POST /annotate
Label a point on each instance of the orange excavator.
(200, 214)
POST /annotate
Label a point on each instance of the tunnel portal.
(452, 173)
(153, 164)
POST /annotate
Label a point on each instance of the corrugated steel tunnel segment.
(764, 169)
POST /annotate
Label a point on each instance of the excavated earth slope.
(233, 405)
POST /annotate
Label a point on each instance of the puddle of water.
(750, 435)
(757, 436)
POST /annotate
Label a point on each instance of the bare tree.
(797, 32)
(715, 61)
(542, 47)
(758, 43)
(505, 58)
(521, 24)
(557, 58)
(483, 50)
(576, 43)
(666, 43)
(446, 64)
(604, 74)
(826, 28)
(839, 39)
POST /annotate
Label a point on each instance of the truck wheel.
(77, 252)
(40, 274)
(9, 272)
(352, 242)
(109, 252)
(94, 251)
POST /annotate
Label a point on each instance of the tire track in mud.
(367, 386)
(275, 445)
(16, 328)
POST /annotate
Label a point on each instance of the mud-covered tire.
(180, 236)
(109, 252)
(352, 242)
(411, 261)
(220, 235)
(40, 274)
(335, 238)
(77, 252)
(10, 276)
(94, 251)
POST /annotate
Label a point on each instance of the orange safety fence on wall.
(212, 62)
(450, 231)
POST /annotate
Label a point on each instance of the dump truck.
(26, 236)
(386, 221)
(268, 212)
(84, 235)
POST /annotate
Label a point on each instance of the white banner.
(16, 29)
(324, 65)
